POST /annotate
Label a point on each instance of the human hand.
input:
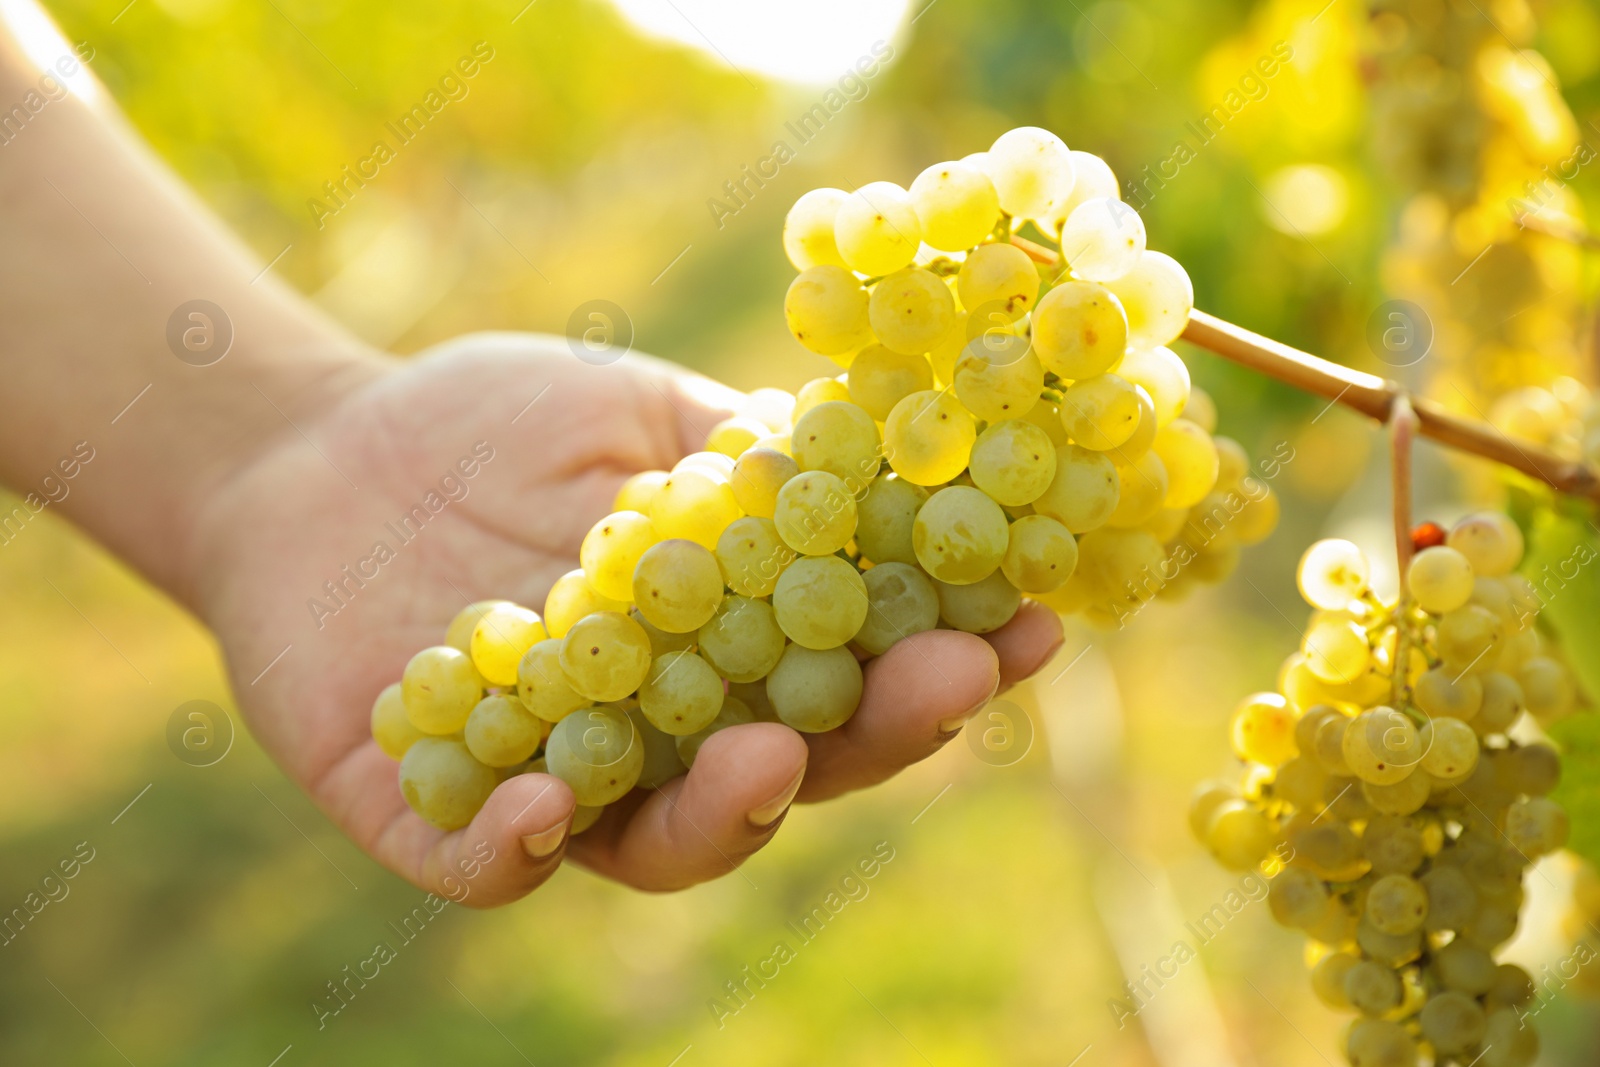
(318, 497)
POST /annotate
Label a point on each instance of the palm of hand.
(560, 435)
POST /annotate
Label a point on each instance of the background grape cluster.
(1396, 791)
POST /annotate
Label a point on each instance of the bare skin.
(242, 487)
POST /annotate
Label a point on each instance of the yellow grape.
(1032, 172)
(443, 783)
(1085, 491)
(815, 690)
(1336, 650)
(605, 656)
(598, 753)
(876, 229)
(501, 637)
(1332, 573)
(757, 477)
(928, 438)
(978, 607)
(1142, 488)
(1490, 540)
(1163, 375)
(542, 684)
(1440, 579)
(694, 506)
(1102, 239)
(826, 308)
(880, 378)
(960, 535)
(1263, 730)
(1079, 329)
(732, 436)
(661, 760)
(1157, 296)
(998, 377)
(500, 732)
(1093, 179)
(884, 518)
(815, 513)
(611, 549)
(391, 727)
(999, 280)
(839, 438)
(1014, 462)
(956, 204)
(743, 640)
(901, 602)
(570, 599)
(459, 634)
(911, 311)
(677, 586)
(818, 391)
(808, 229)
(735, 712)
(1191, 462)
(1101, 412)
(820, 601)
(751, 555)
(440, 687)
(681, 694)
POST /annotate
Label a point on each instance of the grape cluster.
(1397, 817)
(1563, 417)
(998, 433)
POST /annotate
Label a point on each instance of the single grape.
(1531, 769)
(1536, 826)
(1502, 703)
(605, 656)
(598, 752)
(743, 640)
(1233, 462)
(1381, 746)
(998, 377)
(901, 601)
(1380, 1043)
(1442, 693)
(1439, 579)
(1332, 573)
(956, 204)
(1157, 297)
(820, 601)
(1263, 729)
(978, 607)
(1101, 412)
(839, 438)
(734, 712)
(1327, 979)
(911, 311)
(880, 378)
(1032, 172)
(440, 687)
(814, 691)
(661, 760)
(500, 732)
(1452, 1022)
(1468, 639)
(1084, 493)
(1396, 904)
(1405, 797)
(443, 783)
(1080, 330)
(502, 635)
(583, 817)
(1239, 835)
(1449, 748)
(694, 506)
(1548, 691)
(884, 519)
(772, 407)
(611, 550)
(1041, 554)
(876, 229)
(681, 694)
(817, 391)
(751, 555)
(637, 492)
(1207, 797)
(459, 634)
(960, 535)
(1508, 1040)
(826, 308)
(391, 727)
(677, 586)
(570, 599)
(757, 477)
(1094, 179)
(1013, 462)
(542, 684)
(732, 436)
(1393, 846)
(808, 229)
(1190, 460)
(928, 438)
(1141, 489)
(1297, 898)
(717, 466)
(815, 514)
(997, 280)
(1491, 542)
(1102, 239)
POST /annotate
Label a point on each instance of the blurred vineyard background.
(579, 166)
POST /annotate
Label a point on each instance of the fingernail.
(768, 813)
(954, 723)
(544, 842)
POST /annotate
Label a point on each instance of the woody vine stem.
(1369, 394)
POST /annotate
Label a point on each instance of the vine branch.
(1402, 428)
(1369, 394)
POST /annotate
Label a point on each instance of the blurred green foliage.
(578, 166)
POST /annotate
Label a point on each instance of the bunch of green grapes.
(1563, 417)
(998, 434)
(1398, 815)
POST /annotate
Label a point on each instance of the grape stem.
(1369, 394)
(1402, 431)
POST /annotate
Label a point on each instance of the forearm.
(101, 244)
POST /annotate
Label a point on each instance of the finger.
(915, 698)
(508, 850)
(1026, 643)
(705, 824)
